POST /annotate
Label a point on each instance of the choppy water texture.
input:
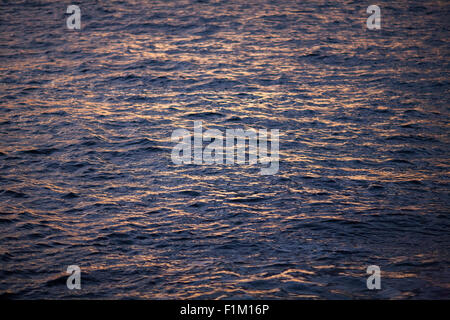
(86, 176)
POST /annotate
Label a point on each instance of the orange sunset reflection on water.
(87, 176)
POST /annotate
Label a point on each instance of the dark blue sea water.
(86, 176)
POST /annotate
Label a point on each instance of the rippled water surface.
(86, 176)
